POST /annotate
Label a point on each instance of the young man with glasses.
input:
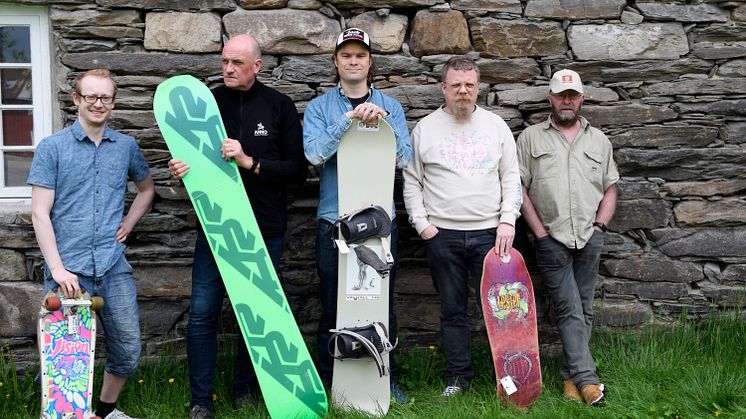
(569, 195)
(79, 180)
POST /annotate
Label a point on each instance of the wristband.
(254, 164)
(600, 225)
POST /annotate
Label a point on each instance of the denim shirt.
(89, 184)
(324, 124)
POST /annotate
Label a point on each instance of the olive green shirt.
(566, 182)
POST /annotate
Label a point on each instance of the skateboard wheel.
(97, 303)
(52, 303)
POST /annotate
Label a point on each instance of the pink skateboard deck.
(509, 309)
(67, 342)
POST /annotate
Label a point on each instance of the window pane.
(15, 44)
(17, 166)
(16, 86)
(18, 127)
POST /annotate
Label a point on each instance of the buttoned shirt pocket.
(116, 174)
(593, 167)
(544, 164)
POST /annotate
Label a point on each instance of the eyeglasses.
(457, 86)
(570, 94)
(106, 100)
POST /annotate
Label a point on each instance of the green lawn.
(690, 370)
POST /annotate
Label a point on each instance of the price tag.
(342, 246)
(508, 385)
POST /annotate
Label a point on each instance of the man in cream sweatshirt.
(462, 191)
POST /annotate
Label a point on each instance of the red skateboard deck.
(510, 316)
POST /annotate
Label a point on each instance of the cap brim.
(352, 40)
(563, 89)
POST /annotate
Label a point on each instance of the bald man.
(266, 141)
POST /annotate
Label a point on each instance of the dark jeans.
(456, 258)
(570, 276)
(327, 267)
(205, 306)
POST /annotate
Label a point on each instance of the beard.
(565, 117)
(462, 109)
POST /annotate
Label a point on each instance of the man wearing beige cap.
(569, 195)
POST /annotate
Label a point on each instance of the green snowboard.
(190, 122)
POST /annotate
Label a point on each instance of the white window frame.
(37, 19)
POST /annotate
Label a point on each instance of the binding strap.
(356, 342)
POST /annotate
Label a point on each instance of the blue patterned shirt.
(89, 184)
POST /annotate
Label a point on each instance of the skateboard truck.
(357, 342)
(70, 306)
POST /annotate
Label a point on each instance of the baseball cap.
(353, 34)
(565, 80)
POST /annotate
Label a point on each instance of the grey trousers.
(570, 276)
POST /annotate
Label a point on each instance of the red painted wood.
(509, 309)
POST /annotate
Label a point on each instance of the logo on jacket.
(260, 131)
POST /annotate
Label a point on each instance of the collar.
(80, 135)
(547, 124)
(233, 93)
(341, 91)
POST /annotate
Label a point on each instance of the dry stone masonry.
(666, 80)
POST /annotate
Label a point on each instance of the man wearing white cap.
(325, 121)
(569, 195)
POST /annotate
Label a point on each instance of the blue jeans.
(456, 258)
(570, 277)
(205, 306)
(119, 316)
(327, 268)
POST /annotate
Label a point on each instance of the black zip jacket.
(267, 125)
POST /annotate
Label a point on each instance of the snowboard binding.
(368, 222)
(357, 342)
(358, 226)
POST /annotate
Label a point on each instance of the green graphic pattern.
(189, 120)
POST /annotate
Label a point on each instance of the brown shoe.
(571, 391)
(593, 394)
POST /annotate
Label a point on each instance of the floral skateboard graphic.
(67, 343)
(509, 309)
(190, 122)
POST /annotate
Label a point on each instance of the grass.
(689, 370)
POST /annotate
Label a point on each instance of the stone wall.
(666, 81)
